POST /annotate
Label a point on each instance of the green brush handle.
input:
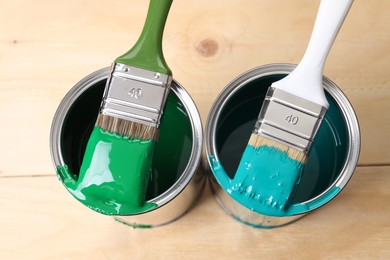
(147, 52)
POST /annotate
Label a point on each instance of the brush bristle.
(127, 128)
(258, 140)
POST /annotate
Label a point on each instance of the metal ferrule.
(135, 94)
(289, 119)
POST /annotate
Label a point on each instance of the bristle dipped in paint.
(273, 161)
(114, 173)
(258, 141)
(128, 128)
(267, 175)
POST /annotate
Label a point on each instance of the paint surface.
(114, 174)
(294, 209)
(173, 148)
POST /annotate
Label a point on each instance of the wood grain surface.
(48, 46)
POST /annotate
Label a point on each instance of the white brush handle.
(306, 80)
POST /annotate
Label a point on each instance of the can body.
(332, 159)
(176, 181)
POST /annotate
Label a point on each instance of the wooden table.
(47, 46)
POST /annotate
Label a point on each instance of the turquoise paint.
(265, 179)
(294, 209)
(267, 225)
(300, 208)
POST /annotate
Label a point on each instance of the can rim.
(333, 90)
(193, 114)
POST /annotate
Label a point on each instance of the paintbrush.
(273, 161)
(116, 166)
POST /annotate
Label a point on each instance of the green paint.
(133, 225)
(253, 204)
(147, 52)
(173, 149)
(265, 179)
(175, 136)
(114, 174)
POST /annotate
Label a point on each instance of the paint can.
(177, 180)
(332, 159)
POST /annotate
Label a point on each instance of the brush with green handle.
(117, 162)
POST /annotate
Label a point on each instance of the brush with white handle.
(288, 121)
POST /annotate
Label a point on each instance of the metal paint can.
(177, 180)
(332, 159)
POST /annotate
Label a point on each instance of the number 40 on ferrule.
(291, 119)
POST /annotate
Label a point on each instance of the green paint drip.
(114, 174)
(255, 205)
(133, 225)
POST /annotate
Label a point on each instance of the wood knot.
(207, 47)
